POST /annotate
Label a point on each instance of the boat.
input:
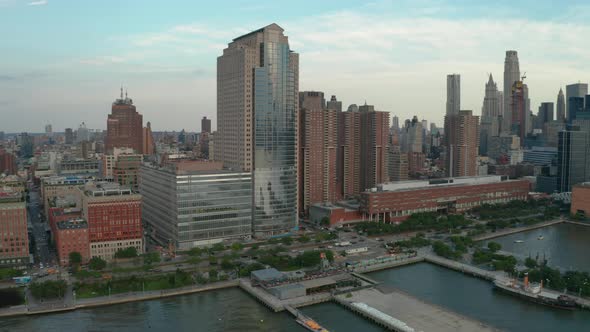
(541, 237)
(310, 324)
(518, 241)
(534, 292)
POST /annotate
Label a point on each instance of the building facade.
(453, 94)
(511, 75)
(373, 147)
(572, 159)
(462, 135)
(14, 239)
(124, 126)
(196, 204)
(205, 125)
(395, 202)
(72, 236)
(113, 214)
(581, 200)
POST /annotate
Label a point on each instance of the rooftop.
(103, 188)
(267, 274)
(78, 223)
(444, 182)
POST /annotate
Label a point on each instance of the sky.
(64, 61)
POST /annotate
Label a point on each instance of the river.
(234, 310)
(565, 246)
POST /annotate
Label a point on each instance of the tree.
(304, 239)
(236, 246)
(75, 258)
(213, 275)
(97, 263)
(226, 264)
(151, 257)
(325, 221)
(218, 247)
(287, 241)
(128, 252)
(494, 246)
(530, 263)
(212, 260)
(195, 252)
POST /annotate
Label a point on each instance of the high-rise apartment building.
(560, 109)
(205, 125)
(196, 203)
(349, 153)
(69, 136)
(412, 136)
(511, 75)
(453, 94)
(124, 126)
(398, 164)
(312, 100)
(318, 152)
(373, 147)
(462, 144)
(257, 111)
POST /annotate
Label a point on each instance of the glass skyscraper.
(257, 104)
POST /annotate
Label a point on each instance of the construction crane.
(523, 77)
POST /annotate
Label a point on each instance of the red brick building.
(59, 214)
(581, 200)
(349, 153)
(14, 239)
(318, 149)
(124, 126)
(374, 142)
(113, 214)
(462, 144)
(395, 202)
(7, 162)
(72, 236)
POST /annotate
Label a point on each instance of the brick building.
(14, 239)
(349, 153)
(55, 187)
(124, 126)
(7, 162)
(462, 143)
(394, 202)
(113, 214)
(581, 200)
(59, 214)
(72, 236)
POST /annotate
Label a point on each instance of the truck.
(22, 280)
(342, 244)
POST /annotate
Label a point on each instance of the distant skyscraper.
(490, 114)
(545, 113)
(561, 113)
(412, 136)
(575, 106)
(352, 108)
(312, 100)
(265, 140)
(205, 125)
(395, 123)
(148, 140)
(334, 104)
(398, 164)
(519, 110)
(453, 94)
(579, 90)
(462, 143)
(48, 129)
(349, 164)
(82, 134)
(124, 126)
(511, 75)
(69, 136)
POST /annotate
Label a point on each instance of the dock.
(400, 312)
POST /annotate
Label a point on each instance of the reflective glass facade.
(275, 140)
(196, 209)
(572, 159)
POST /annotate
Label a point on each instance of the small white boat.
(518, 241)
(541, 237)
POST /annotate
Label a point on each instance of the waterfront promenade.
(509, 231)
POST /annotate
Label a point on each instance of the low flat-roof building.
(395, 202)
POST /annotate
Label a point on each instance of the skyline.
(166, 55)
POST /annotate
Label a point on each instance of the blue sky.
(64, 60)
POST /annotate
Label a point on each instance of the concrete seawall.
(509, 231)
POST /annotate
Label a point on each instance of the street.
(43, 254)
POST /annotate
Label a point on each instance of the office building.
(82, 135)
(398, 164)
(113, 214)
(511, 76)
(196, 203)
(578, 90)
(334, 104)
(205, 125)
(149, 147)
(453, 94)
(575, 109)
(560, 107)
(581, 200)
(519, 110)
(69, 136)
(72, 236)
(124, 126)
(261, 62)
(490, 114)
(395, 202)
(545, 114)
(14, 239)
(572, 159)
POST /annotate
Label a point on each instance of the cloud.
(38, 3)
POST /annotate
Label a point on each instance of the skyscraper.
(579, 90)
(124, 126)
(462, 143)
(205, 125)
(519, 110)
(334, 104)
(453, 94)
(48, 129)
(373, 147)
(561, 113)
(572, 159)
(82, 134)
(511, 75)
(258, 71)
(148, 140)
(395, 123)
(490, 114)
(318, 152)
(349, 141)
(69, 136)
(545, 113)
